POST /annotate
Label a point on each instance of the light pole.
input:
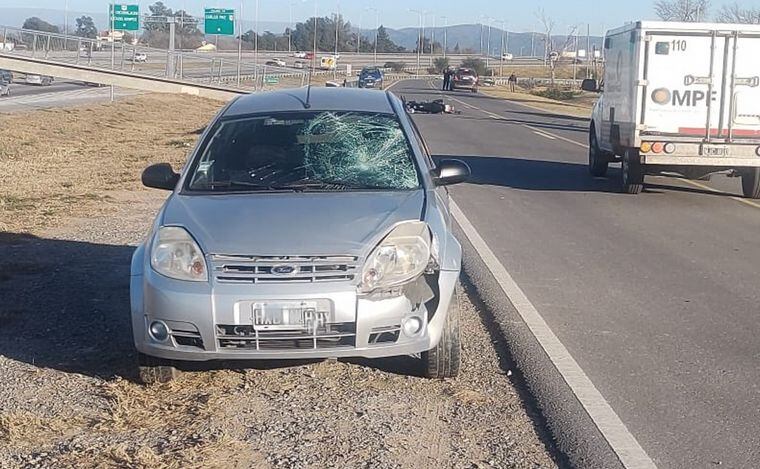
(432, 37)
(240, 41)
(488, 45)
(501, 56)
(65, 21)
(290, 29)
(256, 44)
(377, 26)
(445, 34)
(419, 37)
(359, 33)
(337, 21)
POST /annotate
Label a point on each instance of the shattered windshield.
(315, 151)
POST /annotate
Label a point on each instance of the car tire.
(633, 172)
(443, 360)
(598, 163)
(751, 183)
(154, 370)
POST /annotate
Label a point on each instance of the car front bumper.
(198, 314)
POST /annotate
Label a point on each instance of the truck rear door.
(702, 85)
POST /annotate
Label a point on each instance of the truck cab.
(678, 98)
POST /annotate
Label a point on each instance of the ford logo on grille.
(285, 270)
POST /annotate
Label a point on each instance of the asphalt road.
(655, 296)
(19, 88)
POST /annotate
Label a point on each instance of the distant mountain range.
(467, 36)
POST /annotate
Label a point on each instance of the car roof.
(321, 99)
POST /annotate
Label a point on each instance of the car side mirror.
(589, 84)
(450, 172)
(160, 176)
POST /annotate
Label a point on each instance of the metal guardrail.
(141, 60)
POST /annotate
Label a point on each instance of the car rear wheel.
(597, 161)
(751, 183)
(443, 360)
(633, 172)
(153, 370)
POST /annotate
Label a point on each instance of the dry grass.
(64, 162)
(24, 429)
(578, 107)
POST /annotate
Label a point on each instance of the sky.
(518, 15)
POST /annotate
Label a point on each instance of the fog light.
(646, 147)
(411, 326)
(670, 148)
(158, 331)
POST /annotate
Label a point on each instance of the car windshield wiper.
(327, 186)
(249, 186)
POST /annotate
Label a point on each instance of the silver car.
(305, 225)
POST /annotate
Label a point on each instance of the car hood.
(298, 224)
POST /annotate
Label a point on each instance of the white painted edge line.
(622, 442)
(544, 135)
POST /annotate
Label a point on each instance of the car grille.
(283, 269)
(328, 336)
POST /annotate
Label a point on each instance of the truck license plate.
(714, 150)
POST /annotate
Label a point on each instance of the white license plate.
(715, 150)
(288, 315)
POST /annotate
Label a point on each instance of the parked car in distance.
(465, 79)
(42, 80)
(6, 76)
(371, 77)
(5, 88)
(300, 64)
(228, 271)
(139, 57)
(507, 56)
(299, 55)
(276, 62)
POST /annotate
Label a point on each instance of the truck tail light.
(670, 148)
(646, 147)
(658, 147)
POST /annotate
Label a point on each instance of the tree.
(456, 48)
(736, 14)
(440, 64)
(86, 27)
(37, 24)
(384, 42)
(426, 46)
(690, 11)
(475, 63)
(157, 28)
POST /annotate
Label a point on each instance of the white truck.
(679, 98)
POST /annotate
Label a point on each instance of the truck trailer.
(678, 99)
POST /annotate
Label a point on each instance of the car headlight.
(402, 256)
(175, 254)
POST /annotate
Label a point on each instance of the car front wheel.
(153, 370)
(443, 360)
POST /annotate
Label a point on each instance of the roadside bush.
(479, 65)
(556, 93)
(395, 66)
(439, 65)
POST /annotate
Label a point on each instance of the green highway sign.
(126, 18)
(219, 21)
(271, 80)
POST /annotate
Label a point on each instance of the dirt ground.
(579, 106)
(72, 210)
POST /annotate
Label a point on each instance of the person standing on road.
(446, 79)
(512, 82)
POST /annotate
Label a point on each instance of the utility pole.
(240, 41)
(432, 35)
(445, 35)
(256, 46)
(419, 39)
(314, 55)
(290, 28)
(359, 33)
(501, 56)
(377, 26)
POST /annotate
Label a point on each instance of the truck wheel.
(751, 183)
(153, 370)
(597, 161)
(633, 173)
(444, 359)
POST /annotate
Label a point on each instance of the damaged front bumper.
(210, 321)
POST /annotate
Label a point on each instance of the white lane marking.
(544, 135)
(710, 189)
(393, 84)
(622, 442)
